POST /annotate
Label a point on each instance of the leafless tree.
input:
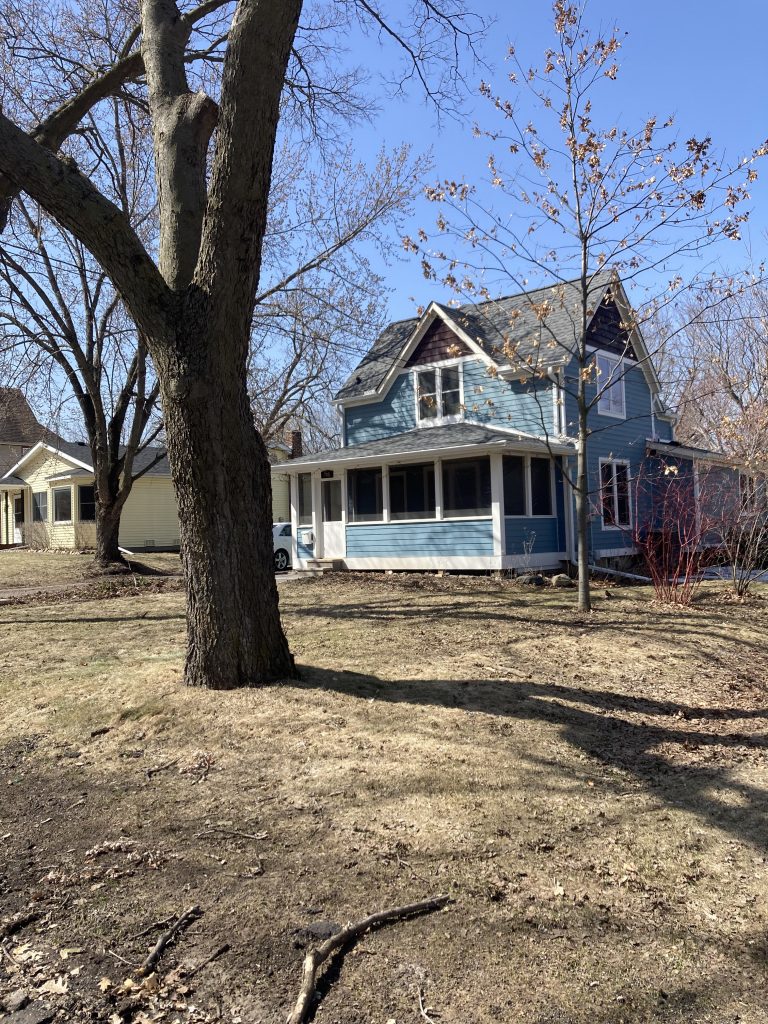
(576, 199)
(323, 302)
(194, 306)
(61, 316)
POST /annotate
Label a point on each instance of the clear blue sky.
(702, 61)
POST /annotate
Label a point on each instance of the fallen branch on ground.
(317, 957)
(209, 960)
(230, 833)
(183, 922)
(13, 924)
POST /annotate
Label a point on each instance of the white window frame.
(437, 369)
(616, 526)
(606, 402)
(54, 492)
(46, 518)
(528, 514)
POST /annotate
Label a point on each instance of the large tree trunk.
(221, 475)
(107, 535)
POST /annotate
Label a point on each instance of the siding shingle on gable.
(440, 342)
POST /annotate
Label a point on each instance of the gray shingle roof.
(428, 439)
(511, 321)
(81, 451)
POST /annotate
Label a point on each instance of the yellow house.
(47, 500)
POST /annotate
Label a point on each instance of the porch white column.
(317, 514)
(293, 483)
(497, 505)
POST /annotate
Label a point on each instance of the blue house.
(459, 440)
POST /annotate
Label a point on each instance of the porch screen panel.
(412, 491)
(40, 507)
(541, 487)
(304, 486)
(364, 487)
(514, 485)
(467, 487)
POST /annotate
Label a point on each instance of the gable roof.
(493, 328)
(79, 454)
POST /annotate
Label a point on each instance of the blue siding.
(520, 405)
(395, 414)
(665, 430)
(304, 550)
(543, 532)
(613, 438)
(408, 540)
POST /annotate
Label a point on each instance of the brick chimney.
(297, 448)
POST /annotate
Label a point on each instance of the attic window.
(439, 394)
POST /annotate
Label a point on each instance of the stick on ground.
(315, 958)
(179, 925)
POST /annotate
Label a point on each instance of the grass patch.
(591, 790)
(22, 568)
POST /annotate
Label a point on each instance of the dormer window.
(438, 394)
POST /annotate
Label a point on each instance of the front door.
(18, 519)
(334, 543)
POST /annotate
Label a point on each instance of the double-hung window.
(614, 494)
(527, 486)
(87, 502)
(40, 507)
(610, 386)
(62, 505)
(438, 394)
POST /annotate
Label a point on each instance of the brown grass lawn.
(591, 791)
(23, 568)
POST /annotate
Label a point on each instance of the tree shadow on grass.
(591, 721)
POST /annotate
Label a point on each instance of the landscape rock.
(561, 580)
(531, 579)
(16, 1000)
(35, 1013)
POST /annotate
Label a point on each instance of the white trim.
(384, 494)
(497, 503)
(615, 462)
(293, 485)
(54, 451)
(437, 369)
(54, 520)
(539, 560)
(426, 562)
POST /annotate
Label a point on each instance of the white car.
(281, 543)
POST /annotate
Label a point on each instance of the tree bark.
(582, 524)
(107, 536)
(221, 474)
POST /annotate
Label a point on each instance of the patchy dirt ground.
(590, 790)
(24, 568)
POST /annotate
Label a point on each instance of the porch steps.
(323, 565)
